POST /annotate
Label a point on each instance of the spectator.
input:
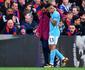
(10, 15)
(16, 14)
(65, 6)
(76, 21)
(61, 26)
(37, 6)
(9, 28)
(29, 24)
(22, 31)
(75, 10)
(7, 4)
(82, 6)
(30, 9)
(6, 17)
(68, 21)
(82, 18)
(71, 31)
(16, 10)
(21, 6)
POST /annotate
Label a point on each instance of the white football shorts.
(53, 40)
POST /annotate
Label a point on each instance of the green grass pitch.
(31, 68)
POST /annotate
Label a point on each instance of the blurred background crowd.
(21, 17)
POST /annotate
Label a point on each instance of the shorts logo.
(51, 39)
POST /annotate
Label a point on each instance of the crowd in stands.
(21, 17)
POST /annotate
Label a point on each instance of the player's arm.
(54, 22)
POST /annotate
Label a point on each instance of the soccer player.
(54, 34)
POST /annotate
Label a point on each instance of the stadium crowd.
(20, 17)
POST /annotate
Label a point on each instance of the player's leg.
(60, 55)
(52, 47)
